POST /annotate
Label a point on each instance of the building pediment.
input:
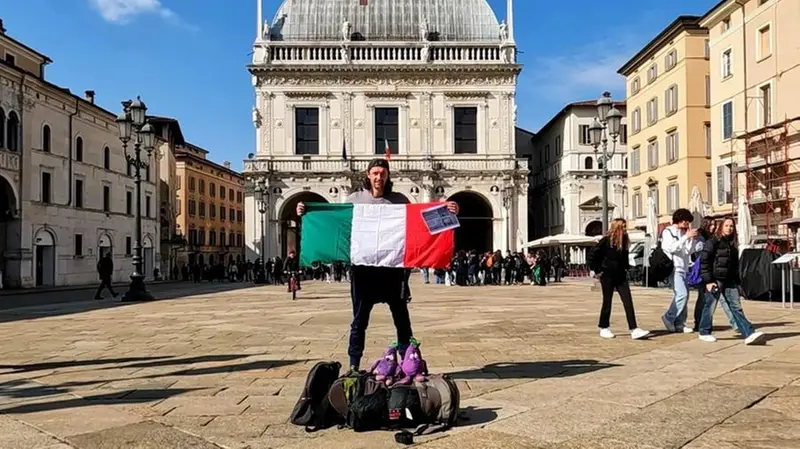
(595, 203)
(651, 181)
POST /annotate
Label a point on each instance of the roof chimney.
(2, 28)
(90, 96)
(227, 164)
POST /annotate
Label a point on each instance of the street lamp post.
(134, 128)
(262, 203)
(606, 124)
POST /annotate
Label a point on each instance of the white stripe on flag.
(378, 235)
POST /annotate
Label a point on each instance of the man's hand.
(452, 206)
(691, 233)
(710, 286)
(301, 209)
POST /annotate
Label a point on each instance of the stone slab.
(145, 435)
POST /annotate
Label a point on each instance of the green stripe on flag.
(325, 233)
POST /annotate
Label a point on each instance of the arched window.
(2, 128)
(107, 158)
(13, 131)
(46, 138)
(79, 149)
(588, 163)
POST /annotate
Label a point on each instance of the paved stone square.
(219, 368)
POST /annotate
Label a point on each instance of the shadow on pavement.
(533, 370)
(476, 416)
(769, 336)
(119, 398)
(43, 366)
(34, 306)
(27, 396)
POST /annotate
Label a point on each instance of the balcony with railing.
(323, 165)
(356, 53)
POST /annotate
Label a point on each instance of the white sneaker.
(754, 338)
(606, 333)
(708, 338)
(637, 333)
(687, 330)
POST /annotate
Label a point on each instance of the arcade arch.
(477, 222)
(45, 258)
(290, 222)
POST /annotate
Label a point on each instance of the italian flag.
(378, 235)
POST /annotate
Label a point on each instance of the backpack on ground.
(360, 402)
(439, 402)
(661, 265)
(313, 409)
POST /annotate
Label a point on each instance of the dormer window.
(11, 59)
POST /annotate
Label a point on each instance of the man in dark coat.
(105, 269)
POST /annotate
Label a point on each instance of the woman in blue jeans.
(706, 230)
(719, 269)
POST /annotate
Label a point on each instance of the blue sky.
(187, 58)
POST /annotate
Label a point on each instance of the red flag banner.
(363, 2)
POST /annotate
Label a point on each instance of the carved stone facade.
(423, 91)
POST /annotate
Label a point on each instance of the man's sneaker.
(606, 333)
(637, 333)
(687, 330)
(754, 338)
(708, 338)
(667, 324)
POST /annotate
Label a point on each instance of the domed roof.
(446, 20)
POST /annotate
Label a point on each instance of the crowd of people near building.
(471, 268)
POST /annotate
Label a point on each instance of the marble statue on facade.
(267, 31)
(344, 53)
(423, 30)
(503, 31)
(346, 27)
(256, 117)
(425, 53)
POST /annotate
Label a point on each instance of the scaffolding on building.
(768, 170)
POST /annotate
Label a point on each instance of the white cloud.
(587, 70)
(124, 11)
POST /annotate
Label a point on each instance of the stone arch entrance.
(10, 227)
(45, 258)
(594, 228)
(290, 222)
(104, 246)
(148, 262)
(477, 219)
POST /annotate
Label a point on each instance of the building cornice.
(682, 24)
(404, 69)
(718, 12)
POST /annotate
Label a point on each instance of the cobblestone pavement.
(224, 368)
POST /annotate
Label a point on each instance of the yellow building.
(211, 208)
(668, 120)
(755, 80)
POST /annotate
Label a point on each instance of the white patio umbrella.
(696, 207)
(652, 231)
(744, 224)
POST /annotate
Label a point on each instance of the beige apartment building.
(211, 209)
(755, 85)
(669, 129)
(66, 190)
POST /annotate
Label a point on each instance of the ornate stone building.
(339, 82)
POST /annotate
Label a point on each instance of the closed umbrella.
(745, 224)
(696, 206)
(651, 232)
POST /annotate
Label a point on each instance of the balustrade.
(281, 53)
(398, 163)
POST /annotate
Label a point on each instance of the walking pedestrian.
(610, 262)
(706, 231)
(719, 268)
(105, 270)
(679, 243)
(374, 285)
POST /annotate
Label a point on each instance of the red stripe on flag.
(363, 2)
(422, 248)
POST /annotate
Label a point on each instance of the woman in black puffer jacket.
(719, 269)
(610, 263)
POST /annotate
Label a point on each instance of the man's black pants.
(105, 282)
(370, 286)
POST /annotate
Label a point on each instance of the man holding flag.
(372, 285)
